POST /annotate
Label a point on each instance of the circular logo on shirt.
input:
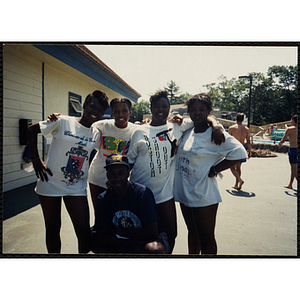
(126, 219)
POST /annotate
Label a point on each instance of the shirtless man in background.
(292, 133)
(240, 132)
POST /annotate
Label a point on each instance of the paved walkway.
(259, 220)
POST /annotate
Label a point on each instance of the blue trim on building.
(77, 60)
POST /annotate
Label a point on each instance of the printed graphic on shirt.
(182, 167)
(82, 140)
(160, 157)
(126, 219)
(113, 145)
(165, 135)
(73, 170)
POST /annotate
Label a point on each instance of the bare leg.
(239, 170)
(95, 192)
(293, 175)
(236, 171)
(294, 169)
(167, 216)
(51, 207)
(205, 221)
(194, 245)
(236, 175)
(77, 207)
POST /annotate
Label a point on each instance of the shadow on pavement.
(292, 193)
(241, 193)
(19, 200)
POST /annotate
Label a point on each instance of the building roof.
(103, 65)
(85, 61)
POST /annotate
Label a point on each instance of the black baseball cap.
(116, 159)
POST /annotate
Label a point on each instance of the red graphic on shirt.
(73, 170)
(75, 164)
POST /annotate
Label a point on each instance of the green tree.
(138, 110)
(285, 82)
(182, 98)
(273, 99)
(228, 95)
(261, 101)
(274, 96)
(174, 95)
(173, 90)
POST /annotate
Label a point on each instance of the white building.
(41, 79)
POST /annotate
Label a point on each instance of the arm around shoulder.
(217, 135)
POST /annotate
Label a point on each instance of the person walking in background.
(241, 133)
(271, 129)
(292, 133)
(198, 161)
(65, 172)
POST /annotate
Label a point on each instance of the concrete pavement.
(259, 220)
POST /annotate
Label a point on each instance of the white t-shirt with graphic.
(68, 157)
(196, 155)
(113, 140)
(152, 151)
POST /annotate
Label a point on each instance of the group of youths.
(136, 176)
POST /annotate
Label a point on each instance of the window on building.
(75, 106)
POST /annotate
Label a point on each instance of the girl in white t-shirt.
(116, 136)
(197, 163)
(152, 153)
(65, 172)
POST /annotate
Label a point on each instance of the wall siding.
(22, 98)
(58, 84)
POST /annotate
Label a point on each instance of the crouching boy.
(126, 214)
